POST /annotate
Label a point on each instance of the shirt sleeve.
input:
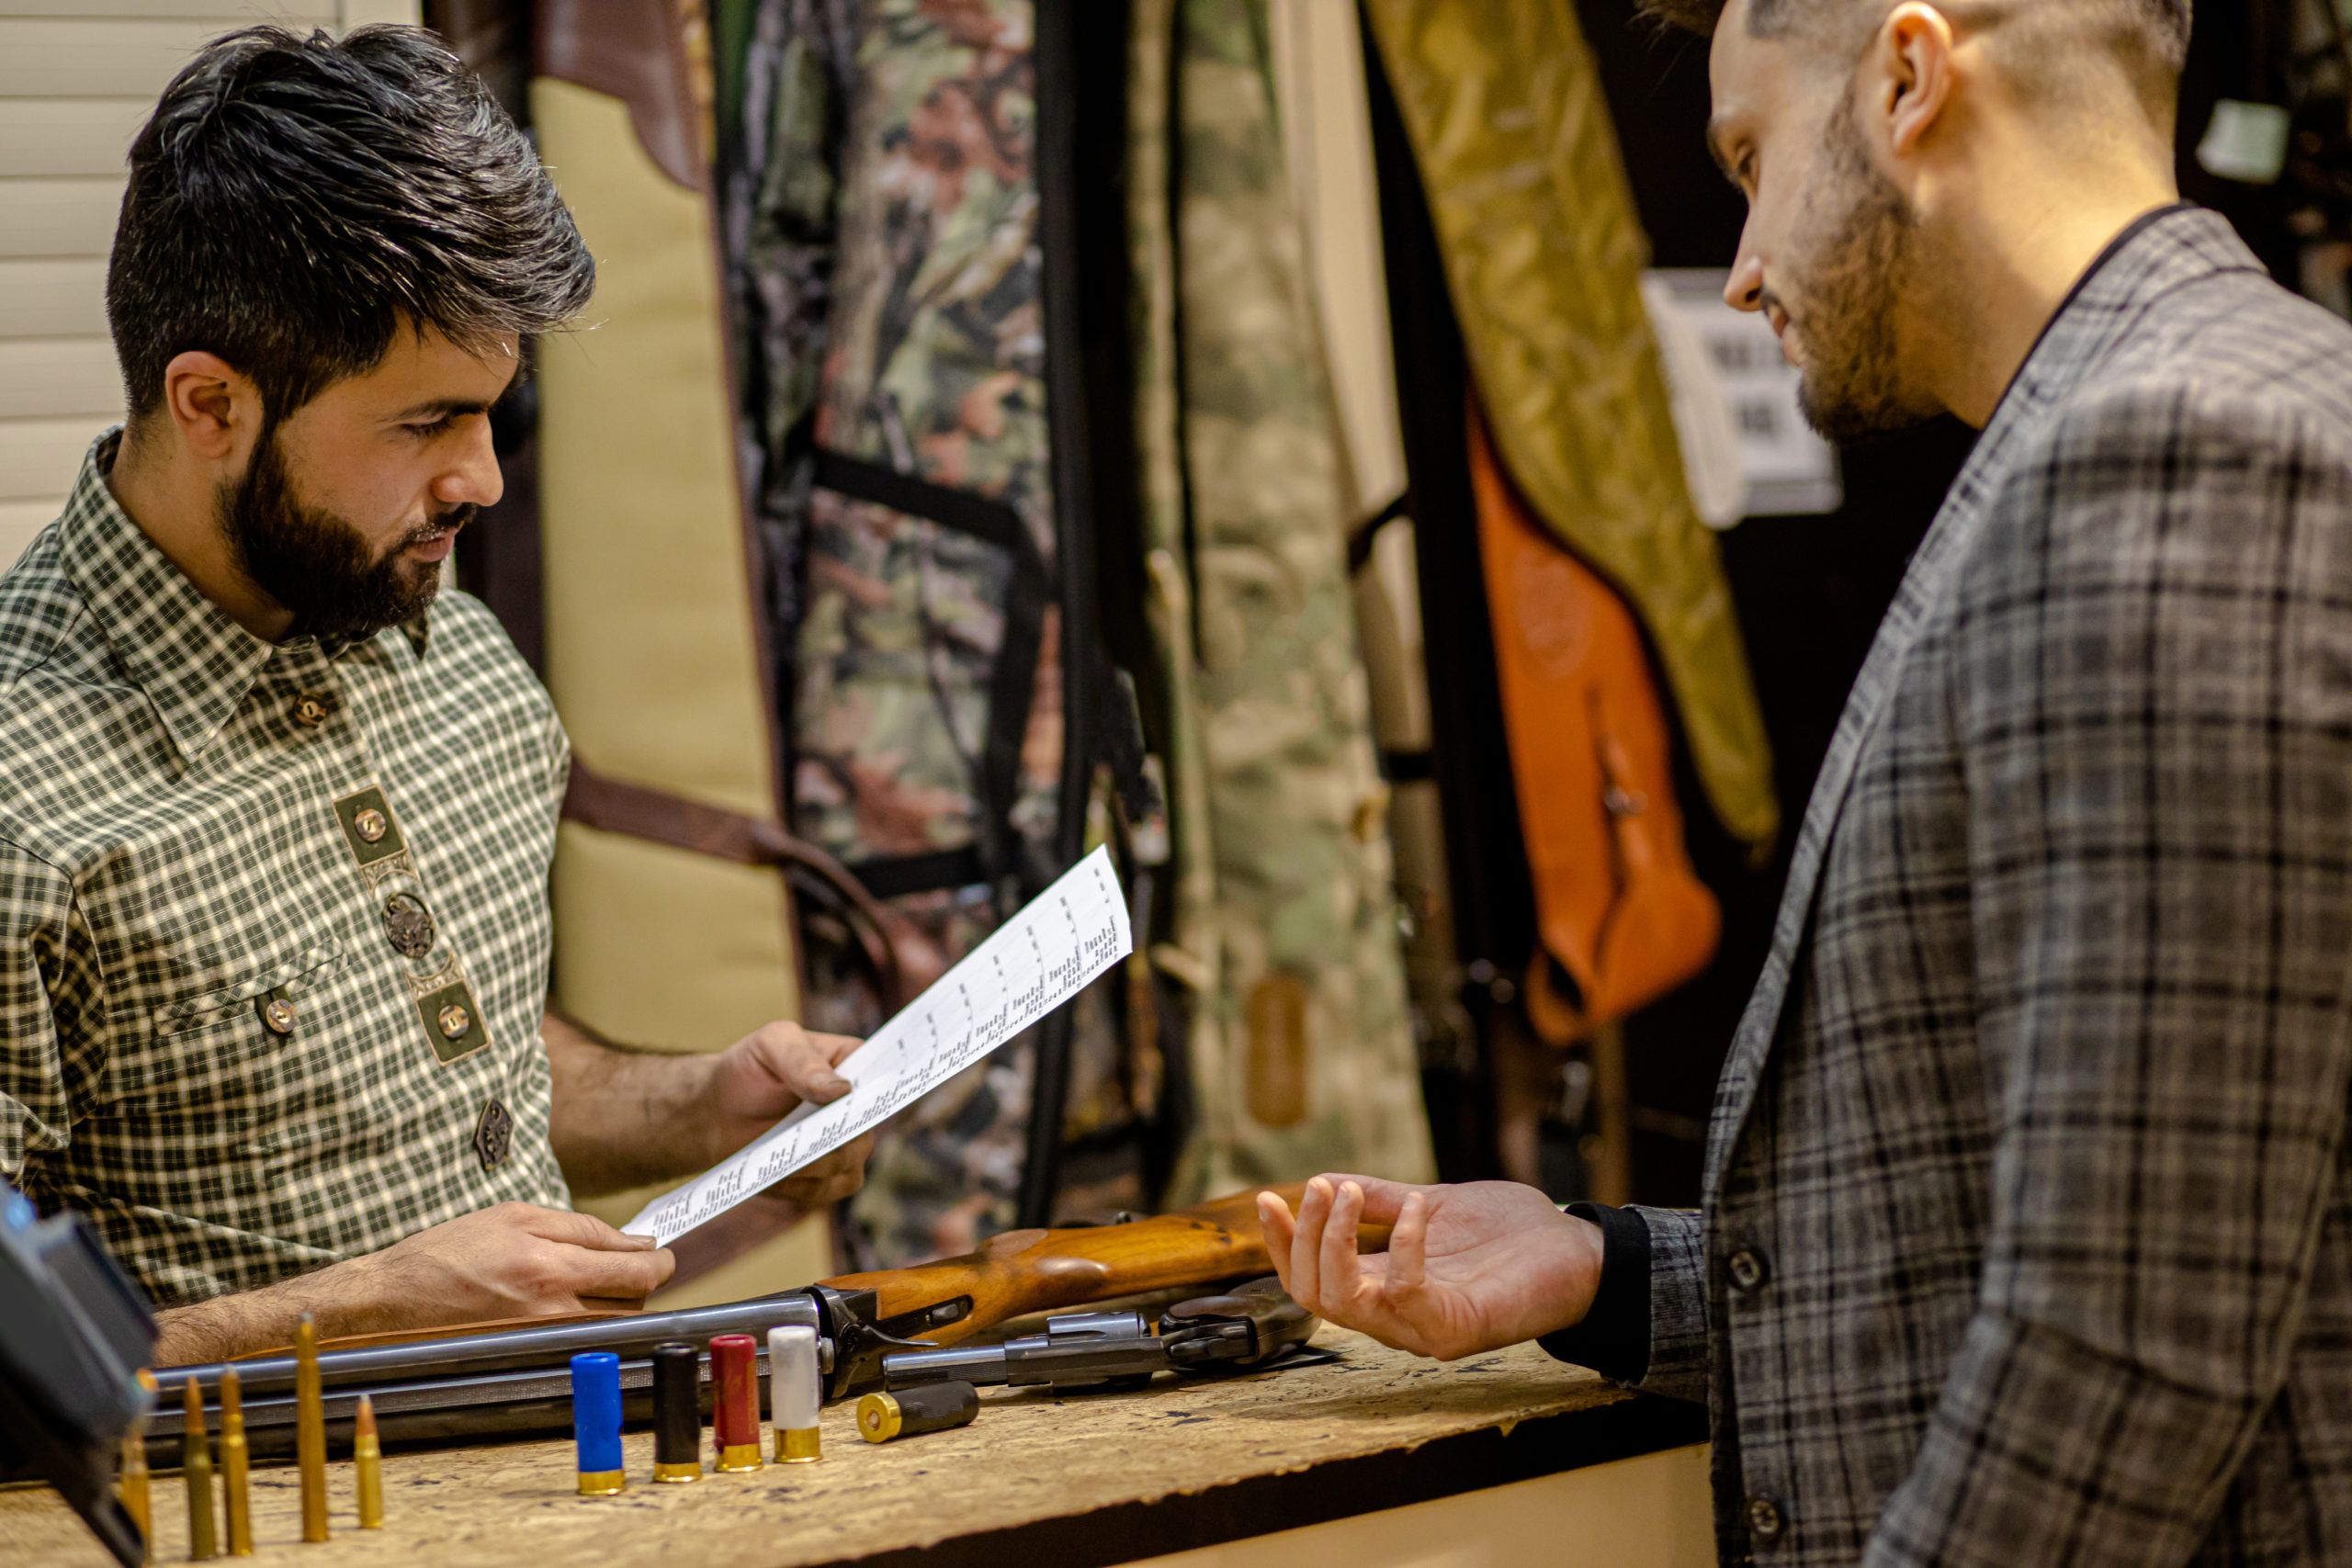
(47, 1060)
(1647, 1325)
(1613, 1335)
(2153, 649)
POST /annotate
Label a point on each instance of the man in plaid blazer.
(2028, 1235)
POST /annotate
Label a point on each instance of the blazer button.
(1763, 1517)
(1746, 1270)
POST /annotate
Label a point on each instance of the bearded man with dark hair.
(2026, 1236)
(276, 811)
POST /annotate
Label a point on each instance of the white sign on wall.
(1789, 469)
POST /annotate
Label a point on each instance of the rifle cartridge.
(236, 1494)
(368, 1460)
(196, 1469)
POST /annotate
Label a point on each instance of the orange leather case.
(1621, 917)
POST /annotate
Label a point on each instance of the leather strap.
(658, 817)
(623, 48)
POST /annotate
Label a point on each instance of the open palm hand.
(1469, 1268)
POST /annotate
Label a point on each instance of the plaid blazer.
(2028, 1235)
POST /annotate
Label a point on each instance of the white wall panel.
(40, 457)
(77, 78)
(48, 57)
(57, 377)
(51, 297)
(69, 136)
(58, 218)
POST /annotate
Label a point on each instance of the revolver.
(1254, 1326)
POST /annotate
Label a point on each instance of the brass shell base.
(603, 1483)
(877, 1417)
(737, 1458)
(678, 1474)
(798, 1445)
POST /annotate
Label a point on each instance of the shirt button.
(370, 824)
(277, 1015)
(310, 710)
(408, 926)
(455, 1021)
(1747, 1271)
(1763, 1517)
(494, 1133)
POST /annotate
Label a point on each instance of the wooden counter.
(1038, 1482)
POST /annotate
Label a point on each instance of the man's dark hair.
(294, 202)
(2148, 37)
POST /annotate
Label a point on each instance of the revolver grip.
(1277, 1324)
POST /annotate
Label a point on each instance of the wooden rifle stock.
(1019, 1272)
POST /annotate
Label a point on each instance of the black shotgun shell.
(912, 1411)
(677, 1411)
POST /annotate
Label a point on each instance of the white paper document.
(1032, 964)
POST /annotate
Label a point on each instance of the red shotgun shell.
(735, 1402)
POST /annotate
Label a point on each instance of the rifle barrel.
(512, 1349)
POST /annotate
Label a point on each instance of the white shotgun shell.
(795, 1389)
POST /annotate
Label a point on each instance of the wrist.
(698, 1108)
(1580, 1253)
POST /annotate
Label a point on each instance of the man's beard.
(1847, 287)
(315, 562)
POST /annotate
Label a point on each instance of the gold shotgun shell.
(678, 1474)
(235, 1492)
(909, 1413)
(736, 1458)
(877, 1419)
(798, 1445)
(603, 1483)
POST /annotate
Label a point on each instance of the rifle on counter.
(512, 1378)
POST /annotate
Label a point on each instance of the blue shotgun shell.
(596, 1422)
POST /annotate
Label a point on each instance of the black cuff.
(1613, 1338)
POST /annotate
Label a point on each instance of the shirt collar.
(188, 655)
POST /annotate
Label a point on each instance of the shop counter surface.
(1075, 1481)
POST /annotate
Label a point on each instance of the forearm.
(343, 1298)
(623, 1118)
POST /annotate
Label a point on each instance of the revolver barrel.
(1077, 1349)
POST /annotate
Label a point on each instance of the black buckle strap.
(1014, 683)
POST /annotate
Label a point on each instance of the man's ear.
(215, 408)
(1913, 53)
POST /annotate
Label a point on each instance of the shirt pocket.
(217, 1042)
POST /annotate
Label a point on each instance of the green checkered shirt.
(254, 1018)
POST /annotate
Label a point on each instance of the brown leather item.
(1277, 1073)
(661, 818)
(1620, 918)
(622, 49)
